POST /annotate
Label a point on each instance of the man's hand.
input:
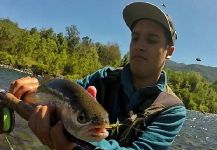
(52, 136)
(23, 87)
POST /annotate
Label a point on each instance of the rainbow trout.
(82, 116)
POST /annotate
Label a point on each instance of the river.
(198, 133)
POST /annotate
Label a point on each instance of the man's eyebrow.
(149, 34)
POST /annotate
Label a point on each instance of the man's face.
(148, 48)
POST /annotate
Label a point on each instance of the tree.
(72, 37)
(86, 40)
(83, 61)
(33, 30)
(10, 34)
(214, 85)
(125, 59)
(109, 55)
(47, 33)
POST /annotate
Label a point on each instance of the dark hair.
(167, 35)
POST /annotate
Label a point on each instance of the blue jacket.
(160, 134)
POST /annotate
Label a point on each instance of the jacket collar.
(129, 89)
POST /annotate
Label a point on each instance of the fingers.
(58, 138)
(39, 123)
(24, 89)
(23, 85)
(52, 136)
(92, 90)
(32, 121)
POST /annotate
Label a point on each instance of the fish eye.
(81, 118)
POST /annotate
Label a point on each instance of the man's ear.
(170, 51)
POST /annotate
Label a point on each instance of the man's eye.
(152, 41)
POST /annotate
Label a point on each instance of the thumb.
(92, 90)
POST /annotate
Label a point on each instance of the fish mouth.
(99, 132)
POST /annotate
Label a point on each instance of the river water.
(198, 133)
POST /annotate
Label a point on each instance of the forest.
(44, 52)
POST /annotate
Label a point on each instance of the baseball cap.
(141, 10)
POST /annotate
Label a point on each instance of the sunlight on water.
(198, 133)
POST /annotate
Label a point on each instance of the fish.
(82, 116)
(79, 112)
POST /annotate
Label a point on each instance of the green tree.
(86, 40)
(72, 37)
(125, 59)
(109, 55)
(83, 61)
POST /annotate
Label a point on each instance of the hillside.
(210, 73)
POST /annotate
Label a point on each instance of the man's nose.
(141, 45)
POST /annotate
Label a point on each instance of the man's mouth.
(138, 58)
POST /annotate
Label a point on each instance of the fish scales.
(75, 95)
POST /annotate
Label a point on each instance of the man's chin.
(137, 70)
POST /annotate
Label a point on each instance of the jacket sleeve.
(159, 135)
(88, 80)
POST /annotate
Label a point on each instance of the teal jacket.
(160, 134)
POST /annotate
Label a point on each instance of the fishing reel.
(7, 118)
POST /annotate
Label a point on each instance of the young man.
(136, 96)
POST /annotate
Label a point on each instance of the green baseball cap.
(141, 10)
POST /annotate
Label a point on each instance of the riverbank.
(26, 71)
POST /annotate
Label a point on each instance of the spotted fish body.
(82, 116)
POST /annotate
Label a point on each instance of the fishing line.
(11, 147)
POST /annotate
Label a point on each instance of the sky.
(102, 21)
